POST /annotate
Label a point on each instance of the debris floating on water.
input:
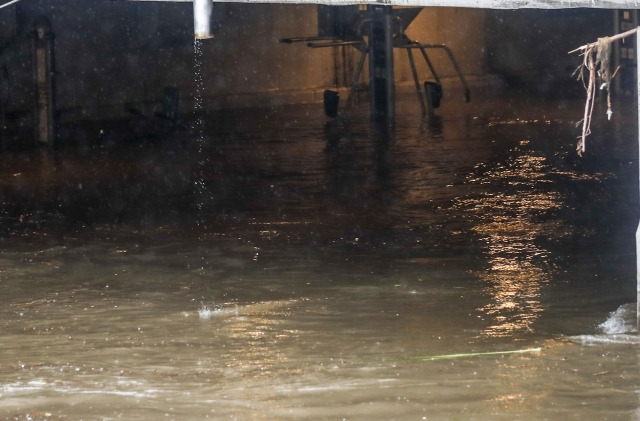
(477, 354)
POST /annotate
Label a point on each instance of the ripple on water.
(206, 313)
(239, 311)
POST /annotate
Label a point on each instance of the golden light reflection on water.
(518, 267)
(258, 328)
(515, 297)
(523, 388)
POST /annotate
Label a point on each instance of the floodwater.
(468, 266)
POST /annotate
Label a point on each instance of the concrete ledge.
(270, 98)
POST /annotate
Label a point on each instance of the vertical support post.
(381, 86)
(616, 50)
(638, 230)
(44, 79)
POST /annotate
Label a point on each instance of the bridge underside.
(478, 4)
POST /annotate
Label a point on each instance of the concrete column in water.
(381, 87)
(45, 86)
(638, 230)
(202, 19)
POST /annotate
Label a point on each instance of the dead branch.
(597, 57)
(612, 38)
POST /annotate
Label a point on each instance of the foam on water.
(620, 327)
(240, 311)
(205, 313)
(19, 388)
(623, 320)
(608, 339)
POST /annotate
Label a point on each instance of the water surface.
(314, 271)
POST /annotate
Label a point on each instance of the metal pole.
(354, 82)
(416, 81)
(381, 83)
(202, 19)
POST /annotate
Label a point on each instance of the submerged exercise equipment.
(376, 32)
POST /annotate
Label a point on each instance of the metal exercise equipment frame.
(400, 20)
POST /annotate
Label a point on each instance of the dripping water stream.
(202, 193)
(198, 128)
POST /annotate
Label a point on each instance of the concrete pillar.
(381, 85)
(638, 230)
(44, 73)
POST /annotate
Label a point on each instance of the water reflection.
(319, 277)
(359, 174)
(432, 126)
(509, 223)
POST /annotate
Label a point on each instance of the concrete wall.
(246, 57)
(463, 30)
(529, 48)
(113, 54)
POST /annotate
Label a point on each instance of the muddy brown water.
(468, 266)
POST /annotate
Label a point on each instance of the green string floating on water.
(477, 354)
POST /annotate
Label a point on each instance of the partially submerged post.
(381, 83)
(638, 230)
(44, 74)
